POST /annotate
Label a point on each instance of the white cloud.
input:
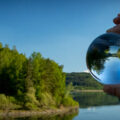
(86, 71)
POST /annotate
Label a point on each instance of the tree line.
(33, 82)
(82, 81)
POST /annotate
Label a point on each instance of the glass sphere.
(103, 58)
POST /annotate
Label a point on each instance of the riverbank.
(39, 113)
(87, 91)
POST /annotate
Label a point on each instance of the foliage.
(34, 82)
(7, 103)
(68, 101)
(82, 81)
(69, 88)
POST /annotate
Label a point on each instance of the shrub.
(68, 101)
(7, 102)
(46, 100)
(30, 99)
(30, 106)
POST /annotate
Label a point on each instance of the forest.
(82, 81)
(31, 83)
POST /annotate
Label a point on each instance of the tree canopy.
(35, 81)
(82, 81)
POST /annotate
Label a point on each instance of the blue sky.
(59, 29)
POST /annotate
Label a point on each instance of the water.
(103, 58)
(93, 106)
(99, 113)
(97, 106)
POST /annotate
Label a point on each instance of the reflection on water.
(103, 58)
(57, 117)
(87, 100)
(92, 107)
(99, 113)
(97, 106)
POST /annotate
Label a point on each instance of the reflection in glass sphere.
(103, 58)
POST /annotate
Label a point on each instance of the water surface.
(93, 106)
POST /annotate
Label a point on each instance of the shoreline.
(39, 113)
(87, 91)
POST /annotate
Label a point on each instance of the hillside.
(82, 81)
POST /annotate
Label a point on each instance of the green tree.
(34, 82)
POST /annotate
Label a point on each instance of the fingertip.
(106, 88)
(117, 20)
(118, 14)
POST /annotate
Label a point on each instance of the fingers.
(109, 89)
(112, 90)
(117, 93)
(117, 20)
(115, 29)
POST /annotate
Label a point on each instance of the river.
(93, 106)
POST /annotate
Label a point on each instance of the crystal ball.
(103, 58)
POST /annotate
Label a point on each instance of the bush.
(46, 100)
(7, 102)
(58, 100)
(30, 99)
(30, 106)
(68, 101)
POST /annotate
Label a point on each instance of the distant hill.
(82, 81)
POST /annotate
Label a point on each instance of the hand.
(115, 29)
(114, 89)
